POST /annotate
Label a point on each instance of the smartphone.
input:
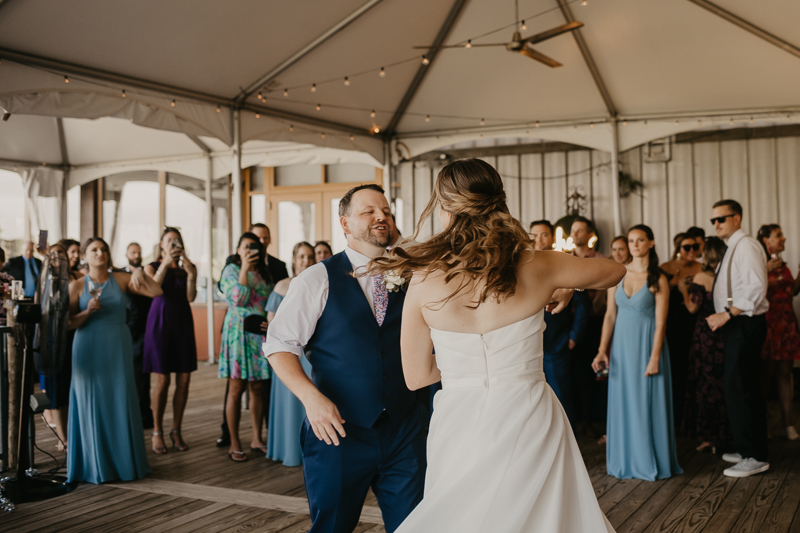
(43, 239)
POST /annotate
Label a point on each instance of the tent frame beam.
(24, 163)
(307, 49)
(748, 26)
(588, 59)
(35, 61)
(444, 31)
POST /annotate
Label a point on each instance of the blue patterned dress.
(241, 354)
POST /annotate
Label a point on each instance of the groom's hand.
(559, 301)
(325, 419)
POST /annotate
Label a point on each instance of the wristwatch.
(728, 310)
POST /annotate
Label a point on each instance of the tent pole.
(615, 177)
(210, 277)
(236, 175)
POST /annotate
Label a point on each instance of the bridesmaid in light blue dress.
(641, 435)
(286, 412)
(106, 439)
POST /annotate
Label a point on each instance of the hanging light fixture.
(425, 60)
(322, 135)
(483, 122)
(372, 113)
(218, 109)
(123, 93)
(346, 81)
(313, 87)
(469, 44)
(66, 79)
(319, 107)
(172, 103)
(291, 127)
(382, 73)
(259, 96)
(523, 27)
(427, 118)
(286, 92)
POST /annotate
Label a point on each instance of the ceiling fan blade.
(541, 58)
(549, 34)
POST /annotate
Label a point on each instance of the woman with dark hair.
(286, 412)
(619, 250)
(322, 251)
(641, 436)
(500, 447)
(782, 347)
(169, 345)
(106, 439)
(244, 283)
(705, 416)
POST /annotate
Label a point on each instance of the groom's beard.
(135, 264)
(368, 237)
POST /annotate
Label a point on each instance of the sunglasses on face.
(688, 247)
(721, 219)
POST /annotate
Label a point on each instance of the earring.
(679, 255)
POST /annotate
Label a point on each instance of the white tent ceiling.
(666, 66)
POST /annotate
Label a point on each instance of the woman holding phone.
(245, 286)
(169, 345)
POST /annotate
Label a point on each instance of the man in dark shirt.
(138, 308)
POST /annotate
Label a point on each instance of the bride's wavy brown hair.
(482, 241)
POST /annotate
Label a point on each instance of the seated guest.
(241, 361)
(322, 251)
(286, 412)
(25, 268)
(704, 414)
(106, 439)
(782, 347)
(564, 330)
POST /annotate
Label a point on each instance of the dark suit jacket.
(275, 267)
(16, 268)
(569, 324)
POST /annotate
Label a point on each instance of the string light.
(789, 117)
(258, 116)
(537, 123)
(527, 133)
(731, 123)
(645, 123)
(218, 109)
(483, 122)
(382, 73)
(751, 120)
(291, 127)
(346, 81)
(322, 135)
(319, 107)
(583, 3)
(313, 87)
(524, 27)
(624, 122)
(469, 44)
(66, 79)
(481, 135)
(591, 124)
(372, 113)
(260, 96)
(427, 118)
(699, 122)
(677, 123)
(376, 129)
(123, 93)
(352, 137)
(286, 92)
(172, 104)
(425, 60)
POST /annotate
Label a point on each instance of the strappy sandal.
(181, 447)
(259, 449)
(237, 454)
(158, 449)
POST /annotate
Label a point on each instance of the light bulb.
(481, 135)
(291, 127)
(66, 79)
(313, 87)
(469, 44)
(731, 122)
(123, 93)
(352, 137)
(524, 27)
(172, 103)
(645, 123)
(382, 73)
(322, 135)
(591, 124)
(258, 116)
(624, 122)
(372, 113)
(319, 107)
(537, 123)
(427, 118)
(218, 109)
(483, 122)
(346, 81)
(376, 129)
(260, 96)
(751, 120)
(699, 122)
(677, 123)
(583, 3)
(286, 92)
(425, 60)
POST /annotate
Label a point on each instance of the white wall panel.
(580, 176)
(422, 195)
(604, 189)
(405, 177)
(508, 167)
(655, 212)
(764, 205)
(631, 207)
(531, 191)
(707, 185)
(734, 178)
(435, 169)
(680, 189)
(788, 193)
(555, 186)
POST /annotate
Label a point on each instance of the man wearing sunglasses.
(740, 301)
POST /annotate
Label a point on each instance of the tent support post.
(236, 175)
(615, 177)
(210, 278)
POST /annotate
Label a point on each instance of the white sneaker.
(731, 457)
(792, 434)
(746, 467)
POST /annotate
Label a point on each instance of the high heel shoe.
(181, 447)
(159, 449)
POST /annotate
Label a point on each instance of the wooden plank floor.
(202, 490)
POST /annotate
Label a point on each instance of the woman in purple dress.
(169, 345)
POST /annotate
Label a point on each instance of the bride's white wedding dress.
(501, 454)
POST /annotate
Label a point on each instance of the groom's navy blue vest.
(355, 362)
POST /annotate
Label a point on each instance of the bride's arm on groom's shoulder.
(566, 271)
(416, 346)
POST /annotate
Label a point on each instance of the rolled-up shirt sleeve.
(750, 280)
(296, 319)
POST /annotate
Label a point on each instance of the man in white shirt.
(740, 301)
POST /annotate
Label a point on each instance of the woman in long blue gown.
(286, 412)
(641, 435)
(106, 439)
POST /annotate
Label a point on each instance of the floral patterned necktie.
(380, 298)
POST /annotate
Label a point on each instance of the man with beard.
(138, 308)
(363, 427)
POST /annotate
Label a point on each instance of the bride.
(501, 454)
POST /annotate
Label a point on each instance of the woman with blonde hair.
(501, 453)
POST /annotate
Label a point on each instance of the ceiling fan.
(523, 46)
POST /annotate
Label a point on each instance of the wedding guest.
(137, 311)
(2, 259)
(704, 414)
(619, 250)
(286, 412)
(680, 322)
(322, 251)
(25, 268)
(587, 393)
(562, 332)
(782, 346)
(699, 235)
(169, 345)
(275, 271)
(740, 302)
(106, 439)
(641, 439)
(242, 362)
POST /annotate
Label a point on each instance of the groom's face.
(369, 219)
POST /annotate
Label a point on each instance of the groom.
(363, 427)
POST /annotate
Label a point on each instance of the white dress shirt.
(748, 274)
(296, 320)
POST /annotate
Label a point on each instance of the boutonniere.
(393, 281)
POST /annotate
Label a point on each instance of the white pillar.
(210, 276)
(615, 178)
(236, 177)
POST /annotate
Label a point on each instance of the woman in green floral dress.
(242, 360)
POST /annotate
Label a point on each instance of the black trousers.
(747, 409)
